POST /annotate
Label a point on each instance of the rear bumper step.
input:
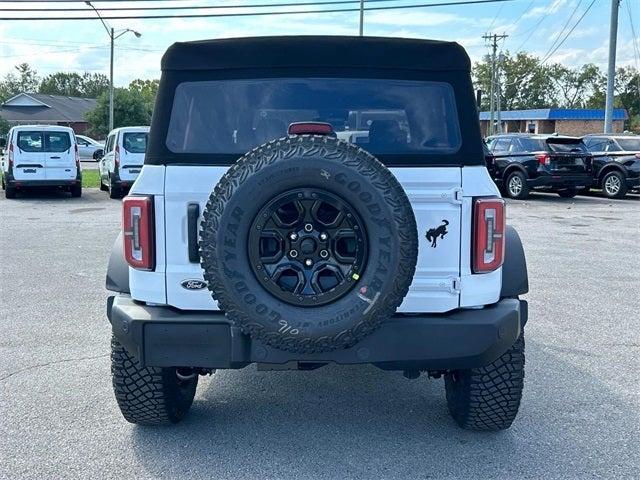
(167, 337)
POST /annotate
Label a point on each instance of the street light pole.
(361, 18)
(112, 37)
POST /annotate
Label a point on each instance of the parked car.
(41, 156)
(521, 162)
(249, 240)
(123, 158)
(89, 148)
(616, 163)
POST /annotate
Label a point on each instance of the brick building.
(41, 109)
(566, 121)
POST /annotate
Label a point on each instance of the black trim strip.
(193, 213)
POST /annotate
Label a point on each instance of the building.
(567, 121)
(41, 109)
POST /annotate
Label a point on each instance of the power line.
(257, 14)
(548, 56)
(191, 7)
(564, 27)
(636, 45)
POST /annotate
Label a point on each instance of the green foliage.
(24, 80)
(129, 109)
(4, 127)
(147, 89)
(88, 85)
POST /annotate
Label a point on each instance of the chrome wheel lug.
(293, 253)
(308, 227)
(308, 262)
(324, 253)
(323, 236)
(293, 236)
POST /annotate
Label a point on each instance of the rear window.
(135, 142)
(38, 141)
(566, 146)
(381, 115)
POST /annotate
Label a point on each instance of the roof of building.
(38, 107)
(557, 114)
(308, 51)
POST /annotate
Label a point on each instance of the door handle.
(54, 158)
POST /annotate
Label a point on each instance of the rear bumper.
(12, 182)
(164, 337)
(561, 181)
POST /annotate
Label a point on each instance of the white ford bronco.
(315, 200)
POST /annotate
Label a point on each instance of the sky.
(532, 25)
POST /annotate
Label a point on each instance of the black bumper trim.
(164, 337)
(561, 180)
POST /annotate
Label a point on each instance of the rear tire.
(516, 186)
(151, 395)
(488, 398)
(9, 191)
(76, 191)
(568, 193)
(614, 185)
(114, 190)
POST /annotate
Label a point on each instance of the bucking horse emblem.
(434, 233)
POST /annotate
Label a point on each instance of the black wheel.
(614, 185)
(151, 395)
(9, 191)
(308, 243)
(516, 186)
(3, 186)
(114, 190)
(76, 191)
(488, 398)
(568, 192)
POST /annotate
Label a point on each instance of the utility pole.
(611, 71)
(361, 18)
(495, 80)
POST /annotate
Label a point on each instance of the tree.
(147, 89)
(4, 127)
(25, 80)
(94, 84)
(62, 83)
(129, 109)
(525, 83)
(575, 86)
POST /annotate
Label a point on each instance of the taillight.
(543, 159)
(77, 156)
(489, 227)
(138, 228)
(310, 128)
(116, 155)
(10, 156)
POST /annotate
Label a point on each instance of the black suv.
(616, 163)
(520, 162)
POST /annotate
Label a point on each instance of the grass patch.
(90, 178)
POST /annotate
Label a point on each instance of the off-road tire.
(622, 190)
(76, 191)
(296, 162)
(488, 398)
(524, 190)
(568, 192)
(150, 395)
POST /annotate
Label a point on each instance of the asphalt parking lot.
(580, 415)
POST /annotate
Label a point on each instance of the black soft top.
(316, 51)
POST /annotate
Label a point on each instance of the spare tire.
(308, 243)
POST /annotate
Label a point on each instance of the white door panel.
(28, 159)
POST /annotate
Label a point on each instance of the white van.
(41, 156)
(123, 158)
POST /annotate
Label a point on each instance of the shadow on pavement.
(359, 422)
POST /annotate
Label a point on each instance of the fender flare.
(512, 167)
(515, 280)
(118, 269)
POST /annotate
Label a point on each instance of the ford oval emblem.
(193, 284)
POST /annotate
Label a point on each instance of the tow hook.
(184, 374)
